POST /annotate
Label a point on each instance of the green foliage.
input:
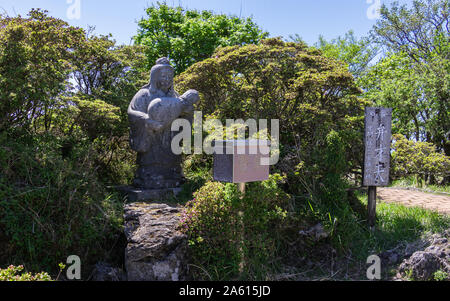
(357, 53)
(102, 66)
(440, 276)
(197, 170)
(95, 117)
(59, 149)
(52, 207)
(309, 93)
(107, 76)
(413, 182)
(41, 99)
(332, 187)
(190, 36)
(413, 28)
(417, 158)
(210, 222)
(397, 223)
(12, 274)
(105, 71)
(225, 228)
(394, 83)
(414, 78)
(35, 56)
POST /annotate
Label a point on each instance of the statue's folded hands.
(164, 110)
(153, 125)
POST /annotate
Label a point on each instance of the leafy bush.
(52, 207)
(12, 274)
(225, 230)
(35, 56)
(309, 93)
(440, 276)
(332, 185)
(417, 158)
(59, 149)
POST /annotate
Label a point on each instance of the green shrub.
(12, 274)
(35, 55)
(225, 230)
(420, 159)
(211, 222)
(52, 207)
(309, 93)
(332, 185)
(441, 276)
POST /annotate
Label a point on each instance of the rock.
(156, 249)
(402, 251)
(393, 258)
(315, 233)
(423, 264)
(133, 194)
(106, 272)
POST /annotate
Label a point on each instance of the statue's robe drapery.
(158, 166)
(150, 128)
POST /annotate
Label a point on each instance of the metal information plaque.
(377, 146)
(241, 161)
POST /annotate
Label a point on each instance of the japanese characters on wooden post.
(377, 146)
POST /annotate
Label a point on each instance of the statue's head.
(161, 77)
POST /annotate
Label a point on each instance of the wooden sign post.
(377, 140)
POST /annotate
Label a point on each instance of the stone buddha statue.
(151, 113)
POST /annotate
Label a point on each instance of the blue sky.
(308, 18)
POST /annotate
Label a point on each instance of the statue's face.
(165, 79)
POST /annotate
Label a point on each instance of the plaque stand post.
(241, 188)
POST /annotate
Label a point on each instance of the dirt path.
(411, 198)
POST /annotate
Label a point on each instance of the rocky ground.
(425, 259)
(157, 250)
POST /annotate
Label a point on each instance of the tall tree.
(356, 53)
(109, 74)
(420, 33)
(190, 36)
(393, 82)
(101, 65)
(35, 56)
(420, 30)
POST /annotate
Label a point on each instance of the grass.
(397, 223)
(349, 236)
(354, 242)
(412, 182)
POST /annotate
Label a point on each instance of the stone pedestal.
(147, 195)
(156, 250)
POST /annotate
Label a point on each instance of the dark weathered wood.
(372, 205)
(377, 142)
